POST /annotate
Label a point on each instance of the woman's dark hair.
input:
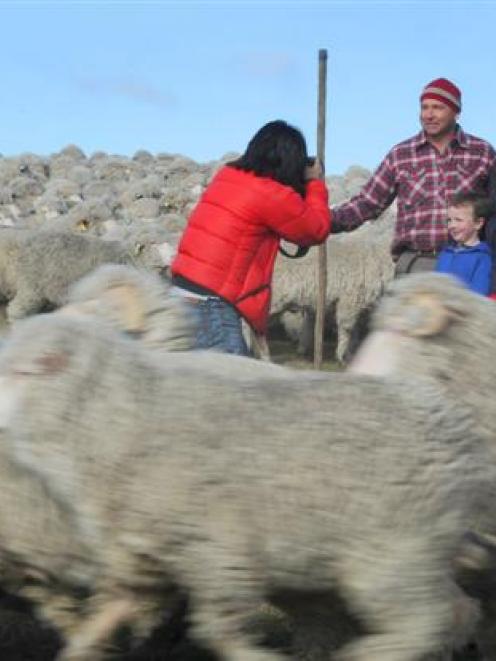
(278, 151)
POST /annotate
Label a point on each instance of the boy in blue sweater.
(466, 256)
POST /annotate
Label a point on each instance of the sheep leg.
(222, 630)
(225, 593)
(405, 601)
(344, 340)
(306, 339)
(85, 643)
(61, 611)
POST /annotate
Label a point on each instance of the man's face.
(437, 119)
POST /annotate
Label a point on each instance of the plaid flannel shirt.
(422, 180)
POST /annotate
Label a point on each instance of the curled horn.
(424, 315)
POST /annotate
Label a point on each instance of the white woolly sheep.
(135, 302)
(359, 265)
(221, 500)
(395, 348)
(88, 216)
(36, 268)
(149, 187)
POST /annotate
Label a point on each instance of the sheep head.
(135, 302)
(429, 326)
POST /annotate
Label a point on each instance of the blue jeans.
(219, 327)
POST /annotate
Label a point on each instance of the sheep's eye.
(83, 225)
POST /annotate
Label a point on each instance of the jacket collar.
(482, 246)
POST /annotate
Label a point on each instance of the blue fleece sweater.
(470, 264)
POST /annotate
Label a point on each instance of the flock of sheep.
(148, 489)
(140, 205)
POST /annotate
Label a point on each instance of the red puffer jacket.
(231, 240)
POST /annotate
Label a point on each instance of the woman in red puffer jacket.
(226, 255)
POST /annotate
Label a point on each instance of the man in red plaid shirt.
(423, 173)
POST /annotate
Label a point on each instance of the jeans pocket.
(220, 328)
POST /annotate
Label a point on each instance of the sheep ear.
(126, 301)
(422, 315)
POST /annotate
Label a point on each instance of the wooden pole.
(322, 252)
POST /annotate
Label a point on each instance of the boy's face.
(462, 226)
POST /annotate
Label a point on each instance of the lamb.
(359, 266)
(36, 268)
(218, 500)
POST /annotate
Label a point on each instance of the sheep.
(88, 217)
(142, 208)
(209, 494)
(135, 302)
(24, 187)
(464, 316)
(49, 206)
(64, 189)
(458, 364)
(72, 152)
(36, 268)
(359, 266)
(149, 187)
(115, 169)
(143, 156)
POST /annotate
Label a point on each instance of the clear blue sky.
(199, 78)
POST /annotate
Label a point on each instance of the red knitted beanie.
(445, 91)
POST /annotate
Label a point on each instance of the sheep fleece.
(233, 479)
(36, 268)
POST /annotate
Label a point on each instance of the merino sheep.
(359, 266)
(396, 348)
(135, 302)
(459, 354)
(198, 487)
(36, 268)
